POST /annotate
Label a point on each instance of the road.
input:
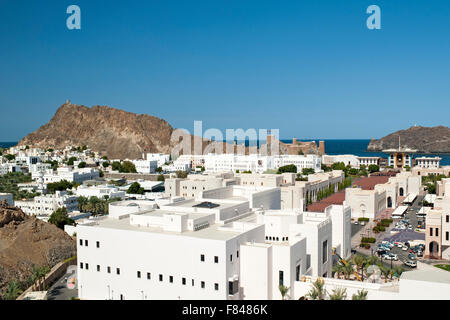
(59, 290)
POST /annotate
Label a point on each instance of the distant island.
(423, 139)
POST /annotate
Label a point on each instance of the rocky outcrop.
(424, 139)
(113, 132)
(25, 242)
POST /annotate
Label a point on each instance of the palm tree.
(385, 271)
(317, 291)
(359, 261)
(13, 290)
(348, 270)
(338, 269)
(338, 294)
(360, 295)
(398, 271)
(283, 290)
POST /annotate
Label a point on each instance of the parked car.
(410, 227)
(362, 223)
(411, 264)
(405, 248)
(393, 256)
(399, 244)
(356, 222)
(420, 253)
(412, 256)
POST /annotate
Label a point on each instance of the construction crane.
(345, 263)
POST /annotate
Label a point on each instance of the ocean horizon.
(356, 147)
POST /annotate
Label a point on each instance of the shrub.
(368, 240)
(363, 219)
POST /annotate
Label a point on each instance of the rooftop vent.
(206, 204)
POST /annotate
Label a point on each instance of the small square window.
(109, 269)
(148, 275)
(98, 268)
(202, 284)
(202, 257)
(216, 259)
(117, 270)
(160, 277)
(138, 274)
(171, 279)
(216, 286)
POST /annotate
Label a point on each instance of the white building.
(428, 162)
(70, 174)
(161, 158)
(100, 191)
(45, 205)
(145, 166)
(309, 161)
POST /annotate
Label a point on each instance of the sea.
(357, 147)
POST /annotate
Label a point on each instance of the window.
(232, 287)
(297, 273)
(308, 261)
(109, 269)
(437, 232)
(149, 275)
(202, 258)
(431, 232)
(202, 284)
(237, 254)
(81, 265)
(447, 218)
(98, 244)
(193, 282)
(160, 277)
(231, 257)
(216, 286)
(446, 236)
(117, 270)
(216, 259)
(98, 268)
(87, 266)
(138, 274)
(171, 279)
(81, 242)
(280, 278)
(86, 243)
(183, 281)
(325, 251)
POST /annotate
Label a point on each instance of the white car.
(405, 248)
(399, 245)
(356, 222)
(410, 263)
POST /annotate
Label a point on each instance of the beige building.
(196, 183)
(437, 236)
(418, 171)
(365, 203)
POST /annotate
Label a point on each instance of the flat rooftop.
(213, 232)
(192, 203)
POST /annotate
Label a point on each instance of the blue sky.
(309, 68)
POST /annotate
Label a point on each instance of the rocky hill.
(113, 132)
(424, 139)
(26, 242)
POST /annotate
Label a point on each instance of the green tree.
(59, 186)
(127, 167)
(307, 171)
(374, 168)
(135, 188)
(116, 166)
(359, 261)
(287, 168)
(161, 177)
(159, 170)
(338, 269)
(338, 294)
(105, 164)
(82, 164)
(71, 161)
(360, 295)
(181, 174)
(317, 292)
(60, 218)
(348, 270)
(284, 292)
(13, 290)
(9, 157)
